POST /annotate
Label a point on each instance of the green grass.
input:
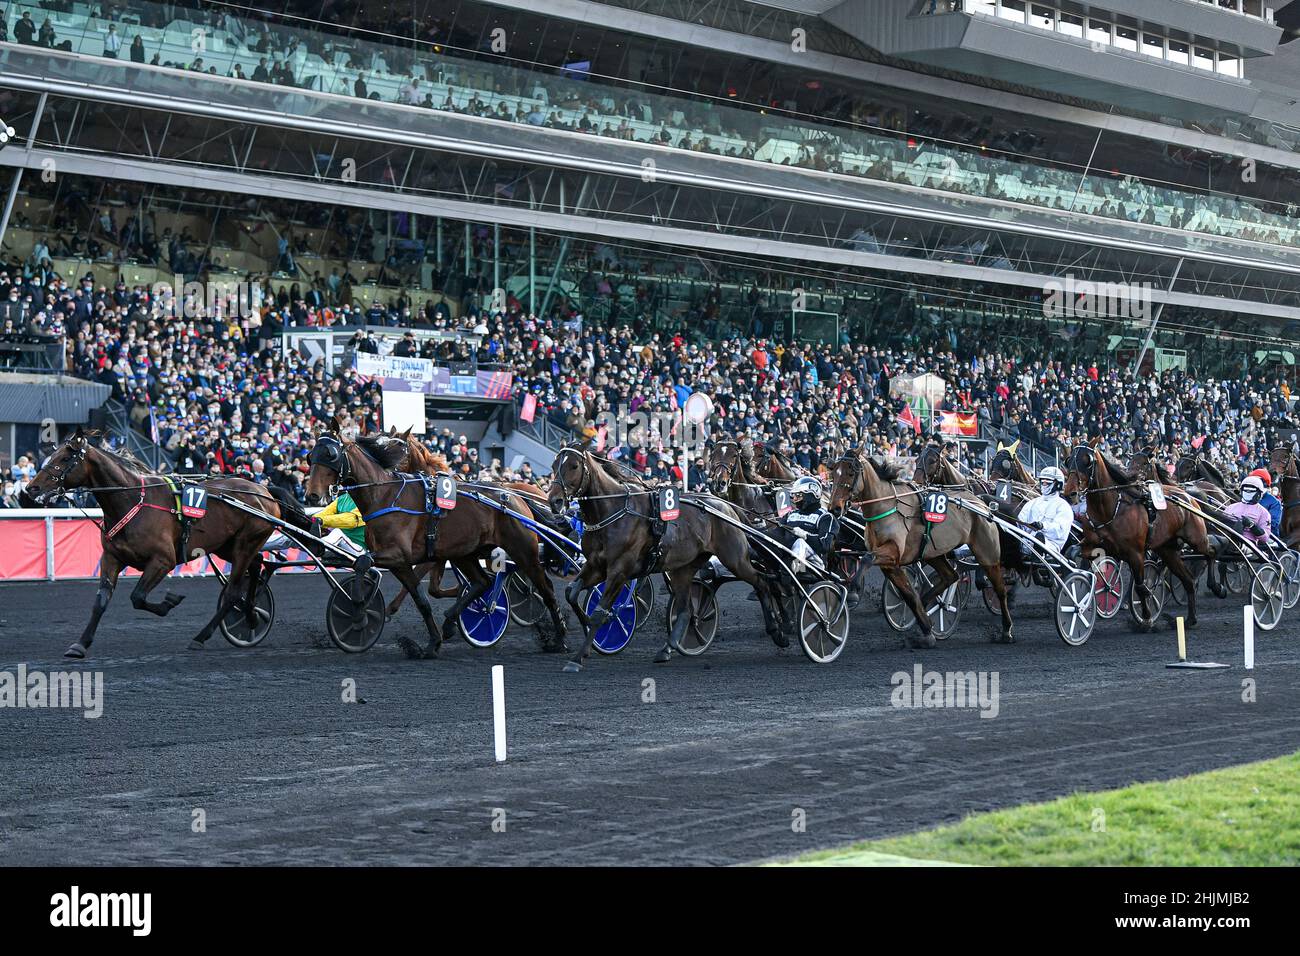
(1247, 815)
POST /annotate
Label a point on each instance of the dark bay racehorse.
(1203, 478)
(935, 468)
(732, 475)
(625, 515)
(142, 529)
(1283, 470)
(1117, 514)
(394, 507)
(898, 535)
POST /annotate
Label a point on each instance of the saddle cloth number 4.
(194, 501)
(936, 507)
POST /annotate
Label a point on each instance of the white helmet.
(807, 491)
(1051, 480)
(1252, 489)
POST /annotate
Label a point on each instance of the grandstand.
(608, 204)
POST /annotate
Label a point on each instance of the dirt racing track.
(712, 770)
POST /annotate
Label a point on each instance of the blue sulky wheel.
(484, 621)
(614, 634)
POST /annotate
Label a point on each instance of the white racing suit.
(1054, 514)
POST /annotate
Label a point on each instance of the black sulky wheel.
(1290, 562)
(355, 626)
(1153, 577)
(824, 623)
(943, 613)
(1076, 608)
(702, 606)
(644, 598)
(1235, 576)
(897, 614)
(1266, 597)
(234, 626)
(526, 606)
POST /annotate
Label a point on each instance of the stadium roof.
(31, 399)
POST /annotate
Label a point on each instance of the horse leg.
(1174, 562)
(619, 575)
(250, 598)
(947, 576)
(1137, 570)
(679, 585)
(541, 582)
(592, 572)
(151, 575)
(769, 596)
(410, 580)
(479, 582)
(421, 570)
(109, 569)
(898, 577)
(240, 565)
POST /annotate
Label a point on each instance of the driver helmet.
(1252, 489)
(1051, 480)
(807, 494)
(1263, 475)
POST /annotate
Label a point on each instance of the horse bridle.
(75, 458)
(329, 453)
(583, 483)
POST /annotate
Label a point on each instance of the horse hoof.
(923, 642)
(1006, 638)
(173, 599)
(75, 652)
(412, 650)
(572, 667)
(431, 652)
(196, 645)
(664, 656)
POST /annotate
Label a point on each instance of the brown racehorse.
(732, 475)
(394, 506)
(897, 534)
(1203, 479)
(624, 513)
(1282, 468)
(142, 530)
(420, 457)
(1117, 514)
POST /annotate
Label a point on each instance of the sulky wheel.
(1109, 586)
(965, 585)
(824, 622)
(234, 626)
(354, 626)
(1235, 575)
(644, 597)
(945, 610)
(702, 605)
(484, 619)
(1153, 577)
(612, 636)
(1076, 608)
(1266, 597)
(526, 605)
(897, 614)
(1290, 563)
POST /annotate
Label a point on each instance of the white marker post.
(1248, 620)
(499, 710)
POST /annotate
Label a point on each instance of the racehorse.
(463, 534)
(144, 529)
(934, 468)
(1203, 478)
(729, 467)
(1117, 513)
(1282, 468)
(897, 535)
(419, 457)
(631, 546)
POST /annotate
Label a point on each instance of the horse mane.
(424, 458)
(382, 450)
(1120, 474)
(1211, 471)
(126, 459)
(885, 471)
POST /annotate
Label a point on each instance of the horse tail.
(290, 510)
